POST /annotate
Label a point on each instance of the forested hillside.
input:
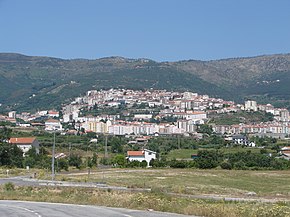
(35, 82)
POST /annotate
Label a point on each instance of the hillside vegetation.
(35, 82)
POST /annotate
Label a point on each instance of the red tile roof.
(22, 140)
(135, 153)
(52, 121)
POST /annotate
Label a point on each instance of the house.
(240, 139)
(25, 143)
(285, 153)
(243, 140)
(53, 113)
(52, 124)
(145, 154)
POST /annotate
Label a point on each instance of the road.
(39, 209)
(25, 181)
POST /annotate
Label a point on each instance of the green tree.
(95, 160)
(205, 129)
(10, 155)
(5, 134)
(119, 160)
(62, 164)
(116, 145)
(208, 159)
(75, 160)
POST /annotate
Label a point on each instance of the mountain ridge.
(54, 80)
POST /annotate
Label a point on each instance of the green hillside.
(38, 82)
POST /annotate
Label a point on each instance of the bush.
(158, 163)
(240, 165)
(119, 160)
(226, 165)
(208, 159)
(178, 164)
(133, 164)
(75, 160)
(204, 163)
(62, 164)
(105, 161)
(9, 186)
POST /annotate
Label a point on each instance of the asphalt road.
(39, 209)
(24, 181)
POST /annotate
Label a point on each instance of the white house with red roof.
(25, 143)
(52, 113)
(145, 154)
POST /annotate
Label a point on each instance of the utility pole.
(52, 160)
(106, 146)
(88, 163)
(69, 149)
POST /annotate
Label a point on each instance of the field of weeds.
(235, 183)
(144, 201)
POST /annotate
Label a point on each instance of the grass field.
(144, 201)
(233, 183)
(12, 172)
(268, 184)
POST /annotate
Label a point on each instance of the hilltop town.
(152, 112)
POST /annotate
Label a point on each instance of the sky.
(161, 30)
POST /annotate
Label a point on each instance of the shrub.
(226, 165)
(9, 186)
(143, 164)
(178, 164)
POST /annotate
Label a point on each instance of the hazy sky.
(162, 30)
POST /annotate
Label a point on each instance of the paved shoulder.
(40, 209)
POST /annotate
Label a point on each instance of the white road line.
(23, 208)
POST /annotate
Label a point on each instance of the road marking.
(23, 208)
(127, 215)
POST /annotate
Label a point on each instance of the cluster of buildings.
(186, 109)
(152, 112)
(279, 127)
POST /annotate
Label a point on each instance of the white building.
(52, 124)
(53, 113)
(25, 143)
(284, 115)
(42, 113)
(145, 154)
(186, 125)
(12, 114)
(142, 116)
(97, 126)
(191, 115)
(251, 105)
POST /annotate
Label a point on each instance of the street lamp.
(53, 156)
(88, 163)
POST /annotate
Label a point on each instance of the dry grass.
(269, 184)
(143, 201)
(17, 172)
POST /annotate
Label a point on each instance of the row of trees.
(208, 159)
(12, 156)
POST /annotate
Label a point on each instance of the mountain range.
(32, 82)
